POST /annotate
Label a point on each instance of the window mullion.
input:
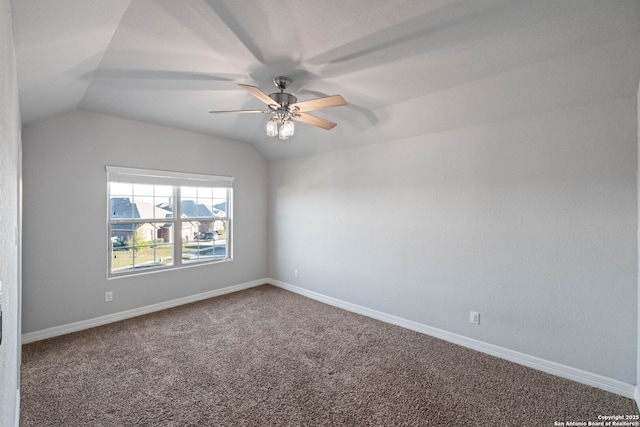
(177, 229)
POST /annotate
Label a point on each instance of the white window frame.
(175, 180)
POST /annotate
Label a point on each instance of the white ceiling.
(171, 62)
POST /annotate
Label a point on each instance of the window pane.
(205, 192)
(189, 231)
(143, 190)
(121, 208)
(122, 234)
(143, 256)
(144, 207)
(204, 208)
(163, 200)
(164, 233)
(164, 254)
(121, 260)
(192, 237)
(121, 248)
(144, 234)
(152, 245)
(203, 202)
(130, 201)
(162, 213)
(220, 246)
(219, 207)
(219, 193)
(189, 192)
(140, 246)
(120, 189)
(190, 252)
(209, 243)
(163, 191)
(189, 207)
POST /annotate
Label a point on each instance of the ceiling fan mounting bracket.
(281, 82)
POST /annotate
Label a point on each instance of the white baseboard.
(110, 318)
(595, 380)
(568, 372)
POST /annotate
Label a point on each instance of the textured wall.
(65, 207)
(518, 201)
(9, 170)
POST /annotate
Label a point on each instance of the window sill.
(165, 269)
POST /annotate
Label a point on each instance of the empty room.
(302, 213)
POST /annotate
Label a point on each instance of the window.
(161, 220)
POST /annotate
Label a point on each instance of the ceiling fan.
(284, 108)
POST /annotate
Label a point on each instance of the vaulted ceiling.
(395, 62)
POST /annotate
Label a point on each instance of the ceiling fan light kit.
(284, 108)
(284, 128)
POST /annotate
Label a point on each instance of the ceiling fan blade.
(313, 120)
(318, 103)
(259, 94)
(241, 111)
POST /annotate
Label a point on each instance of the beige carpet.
(268, 357)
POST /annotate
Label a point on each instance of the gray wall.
(9, 170)
(65, 261)
(519, 201)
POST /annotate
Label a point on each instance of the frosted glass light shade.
(287, 129)
(272, 128)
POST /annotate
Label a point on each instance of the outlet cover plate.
(474, 317)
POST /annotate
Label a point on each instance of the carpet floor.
(269, 357)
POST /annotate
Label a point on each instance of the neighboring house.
(191, 209)
(219, 210)
(122, 208)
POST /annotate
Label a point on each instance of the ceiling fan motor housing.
(283, 98)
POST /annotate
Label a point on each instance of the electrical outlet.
(296, 272)
(474, 317)
(108, 296)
